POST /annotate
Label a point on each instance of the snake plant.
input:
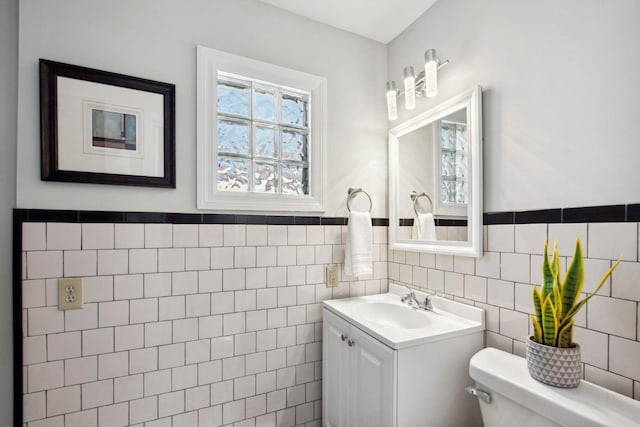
(557, 302)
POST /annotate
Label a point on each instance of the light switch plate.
(332, 276)
(70, 293)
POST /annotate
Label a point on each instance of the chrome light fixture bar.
(424, 84)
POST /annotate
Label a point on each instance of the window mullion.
(251, 140)
(278, 141)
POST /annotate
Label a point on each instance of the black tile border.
(633, 213)
(101, 217)
(614, 213)
(281, 220)
(606, 213)
(440, 222)
(493, 218)
(145, 217)
(307, 220)
(333, 221)
(178, 218)
(543, 216)
(44, 215)
(444, 222)
(220, 219)
(380, 222)
(405, 222)
(251, 219)
(18, 217)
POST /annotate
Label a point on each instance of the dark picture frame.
(88, 128)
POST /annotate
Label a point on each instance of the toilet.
(516, 399)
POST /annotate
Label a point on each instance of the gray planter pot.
(555, 366)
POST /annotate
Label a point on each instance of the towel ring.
(415, 196)
(352, 192)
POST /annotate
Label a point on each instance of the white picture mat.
(74, 95)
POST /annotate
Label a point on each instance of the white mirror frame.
(472, 100)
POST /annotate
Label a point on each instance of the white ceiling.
(380, 20)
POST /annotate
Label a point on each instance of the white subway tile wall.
(185, 324)
(608, 329)
(205, 325)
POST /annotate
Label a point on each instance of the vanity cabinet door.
(359, 377)
(372, 381)
(335, 370)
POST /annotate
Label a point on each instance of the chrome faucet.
(412, 300)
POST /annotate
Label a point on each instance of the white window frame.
(209, 62)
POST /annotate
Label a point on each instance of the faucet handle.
(407, 297)
(427, 302)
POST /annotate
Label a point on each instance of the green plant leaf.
(565, 335)
(549, 322)
(556, 261)
(537, 330)
(557, 302)
(547, 274)
(573, 280)
(572, 312)
(537, 303)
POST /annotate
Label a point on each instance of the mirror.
(435, 179)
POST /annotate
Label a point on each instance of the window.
(260, 135)
(263, 133)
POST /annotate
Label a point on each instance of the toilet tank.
(518, 397)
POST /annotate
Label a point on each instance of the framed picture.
(105, 128)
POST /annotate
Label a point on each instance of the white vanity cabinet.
(387, 365)
(358, 377)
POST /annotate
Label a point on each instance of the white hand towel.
(424, 227)
(358, 258)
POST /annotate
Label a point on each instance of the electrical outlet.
(70, 293)
(332, 276)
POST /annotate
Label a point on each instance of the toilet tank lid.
(586, 405)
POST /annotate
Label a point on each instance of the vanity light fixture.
(392, 105)
(431, 73)
(423, 84)
(409, 88)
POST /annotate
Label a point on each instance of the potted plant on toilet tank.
(552, 356)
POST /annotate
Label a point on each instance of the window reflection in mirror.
(453, 160)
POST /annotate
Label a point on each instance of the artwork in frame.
(105, 128)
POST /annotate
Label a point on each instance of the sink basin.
(392, 315)
(398, 325)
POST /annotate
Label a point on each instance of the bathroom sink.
(399, 325)
(392, 315)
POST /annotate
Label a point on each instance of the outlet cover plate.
(332, 276)
(70, 293)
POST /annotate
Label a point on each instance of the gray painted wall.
(560, 84)
(157, 39)
(8, 101)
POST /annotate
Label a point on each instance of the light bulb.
(409, 88)
(392, 106)
(430, 73)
